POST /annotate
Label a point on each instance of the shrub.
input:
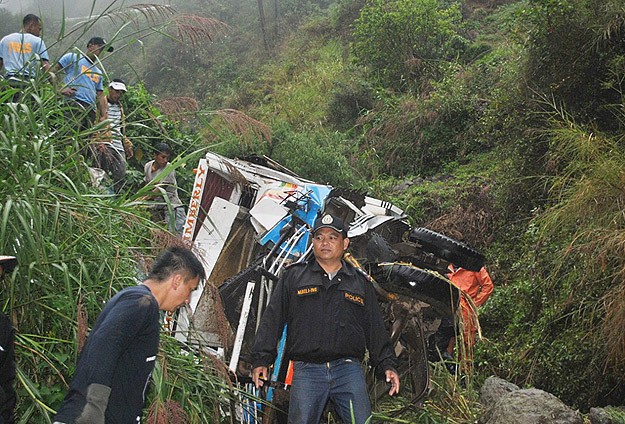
(403, 42)
(349, 100)
(315, 155)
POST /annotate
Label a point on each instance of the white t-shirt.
(168, 182)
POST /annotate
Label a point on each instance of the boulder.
(530, 406)
(493, 389)
(607, 415)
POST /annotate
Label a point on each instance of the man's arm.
(54, 70)
(486, 287)
(7, 370)
(102, 106)
(47, 70)
(378, 342)
(45, 59)
(123, 119)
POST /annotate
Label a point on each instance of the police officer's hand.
(68, 91)
(393, 378)
(257, 374)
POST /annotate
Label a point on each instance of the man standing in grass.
(111, 150)
(161, 209)
(23, 54)
(83, 81)
(478, 286)
(115, 366)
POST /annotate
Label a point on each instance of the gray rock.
(493, 389)
(599, 416)
(607, 415)
(530, 406)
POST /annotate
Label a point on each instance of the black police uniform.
(326, 319)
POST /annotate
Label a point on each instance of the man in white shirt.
(161, 210)
(111, 155)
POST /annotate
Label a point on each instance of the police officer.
(24, 54)
(332, 316)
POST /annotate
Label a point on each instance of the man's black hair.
(176, 260)
(163, 148)
(30, 18)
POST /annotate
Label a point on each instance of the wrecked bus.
(249, 218)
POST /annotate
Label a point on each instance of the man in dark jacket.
(115, 366)
(332, 317)
(7, 355)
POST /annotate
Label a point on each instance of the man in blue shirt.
(83, 80)
(23, 54)
(114, 367)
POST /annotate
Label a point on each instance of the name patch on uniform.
(354, 298)
(307, 291)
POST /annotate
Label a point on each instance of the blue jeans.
(342, 381)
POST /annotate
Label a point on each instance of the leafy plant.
(573, 295)
(76, 246)
(404, 42)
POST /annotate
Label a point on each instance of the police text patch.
(354, 298)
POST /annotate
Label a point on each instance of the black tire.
(416, 283)
(412, 362)
(448, 249)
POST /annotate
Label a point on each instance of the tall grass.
(77, 246)
(74, 245)
(573, 280)
(588, 210)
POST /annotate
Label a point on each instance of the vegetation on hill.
(499, 123)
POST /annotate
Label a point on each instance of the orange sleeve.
(486, 287)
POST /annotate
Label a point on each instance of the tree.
(404, 41)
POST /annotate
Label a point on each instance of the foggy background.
(73, 8)
(174, 49)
